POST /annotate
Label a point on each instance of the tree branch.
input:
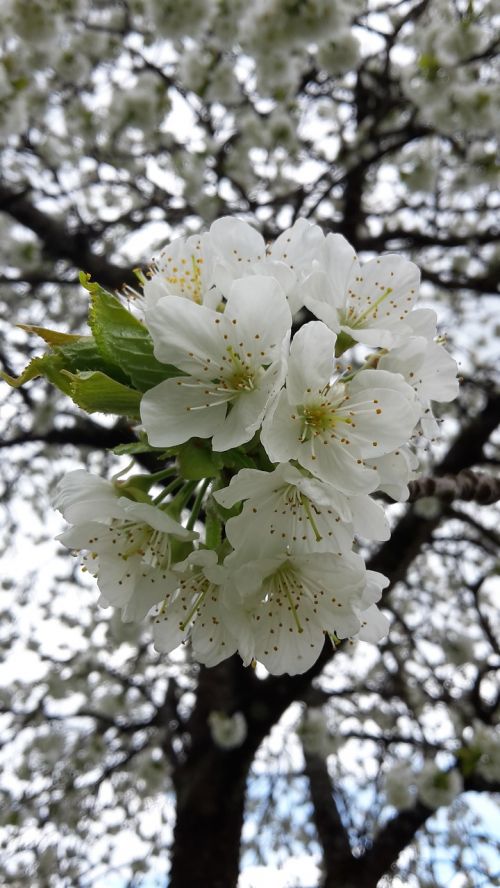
(331, 831)
(60, 243)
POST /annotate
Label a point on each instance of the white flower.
(128, 549)
(368, 303)
(194, 607)
(429, 369)
(374, 624)
(395, 471)
(241, 251)
(331, 428)
(234, 363)
(228, 731)
(80, 496)
(290, 601)
(436, 787)
(297, 247)
(184, 268)
(284, 508)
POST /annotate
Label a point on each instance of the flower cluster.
(286, 441)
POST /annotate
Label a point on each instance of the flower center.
(285, 585)
(188, 280)
(198, 586)
(321, 416)
(152, 546)
(242, 377)
(357, 321)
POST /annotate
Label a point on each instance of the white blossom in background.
(436, 787)
(486, 742)
(399, 786)
(228, 731)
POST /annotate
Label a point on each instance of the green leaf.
(122, 339)
(85, 355)
(51, 366)
(95, 392)
(197, 461)
(51, 337)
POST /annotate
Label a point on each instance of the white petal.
(81, 496)
(186, 334)
(178, 409)
(391, 273)
(423, 322)
(144, 513)
(374, 625)
(339, 464)
(260, 318)
(238, 247)
(369, 518)
(168, 626)
(319, 298)
(242, 421)
(281, 430)
(310, 363)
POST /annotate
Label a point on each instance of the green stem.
(184, 495)
(168, 489)
(195, 511)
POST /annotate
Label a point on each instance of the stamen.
(307, 508)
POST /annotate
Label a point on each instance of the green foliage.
(106, 372)
(197, 461)
(95, 392)
(122, 338)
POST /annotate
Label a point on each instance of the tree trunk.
(210, 784)
(210, 809)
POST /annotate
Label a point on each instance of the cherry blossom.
(367, 304)
(194, 607)
(331, 428)
(184, 268)
(233, 359)
(128, 549)
(292, 600)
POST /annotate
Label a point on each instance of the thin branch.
(61, 243)
(331, 831)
